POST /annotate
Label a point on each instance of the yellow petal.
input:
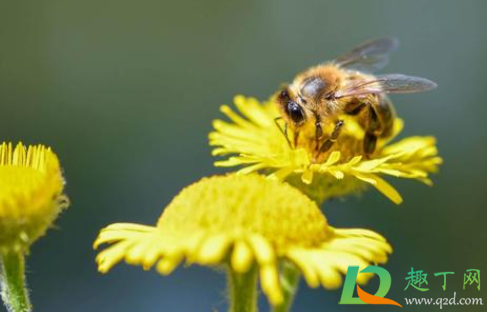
(213, 249)
(303, 261)
(269, 279)
(333, 158)
(262, 249)
(382, 186)
(168, 264)
(241, 257)
(109, 257)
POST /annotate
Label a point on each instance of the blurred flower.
(31, 197)
(31, 194)
(257, 143)
(248, 222)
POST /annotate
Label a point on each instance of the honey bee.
(312, 104)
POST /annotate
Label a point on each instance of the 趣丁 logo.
(364, 297)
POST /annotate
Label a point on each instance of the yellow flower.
(31, 194)
(245, 221)
(255, 142)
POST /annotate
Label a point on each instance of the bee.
(312, 104)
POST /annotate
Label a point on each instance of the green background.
(125, 92)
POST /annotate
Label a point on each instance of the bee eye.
(295, 112)
(283, 96)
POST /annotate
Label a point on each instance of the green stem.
(243, 291)
(14, 293)
(290, 276)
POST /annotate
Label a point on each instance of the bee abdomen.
(386, 113)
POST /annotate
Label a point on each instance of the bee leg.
(355, 107)
(370, 142)
(283, 131)
(296, 136)
(373, 131)
(333, 137)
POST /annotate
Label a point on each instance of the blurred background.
(125, 92)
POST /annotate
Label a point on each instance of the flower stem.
(243, 291)
(14, 293)
(290, 276)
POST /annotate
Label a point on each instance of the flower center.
(238, 205)
(18, 180)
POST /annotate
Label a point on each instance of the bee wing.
(370, 56)
(392, 83)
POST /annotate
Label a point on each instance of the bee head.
(299, 114)
(292, 111)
